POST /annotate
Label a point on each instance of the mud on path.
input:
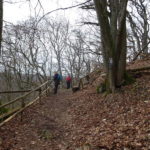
(44, 126)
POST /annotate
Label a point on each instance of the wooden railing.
(21, 102)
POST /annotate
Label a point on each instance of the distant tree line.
(116, 32)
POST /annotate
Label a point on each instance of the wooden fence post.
(22, 106)
(21, 100)
(40, 92)
(46, 90)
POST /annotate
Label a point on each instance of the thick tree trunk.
(121, 49)
(1, 22)
(145, 38)
(108, 47)
(113, 34)
(122, 59)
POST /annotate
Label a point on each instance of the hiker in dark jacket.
(56, 79)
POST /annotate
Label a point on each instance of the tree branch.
(141, 51)
(91, 23)
(65, 8)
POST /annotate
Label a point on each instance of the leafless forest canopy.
(32, 50)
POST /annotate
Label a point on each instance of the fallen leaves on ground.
(66, 121)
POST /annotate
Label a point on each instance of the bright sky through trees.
(19, 10)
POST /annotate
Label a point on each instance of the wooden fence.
(22, 102)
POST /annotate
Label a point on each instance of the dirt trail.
(119, 121)
(44, 127)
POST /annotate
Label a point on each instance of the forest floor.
(68, 120)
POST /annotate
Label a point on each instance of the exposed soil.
(65, 121)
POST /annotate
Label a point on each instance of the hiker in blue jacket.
(56, 79)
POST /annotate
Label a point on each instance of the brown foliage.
(68, 121)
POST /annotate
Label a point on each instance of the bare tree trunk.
(145, 37)
(113, 34)
(1, 22)
(122, 59)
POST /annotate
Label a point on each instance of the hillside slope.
(69, 120)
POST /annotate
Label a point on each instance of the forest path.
(44, 126)
(66, 121)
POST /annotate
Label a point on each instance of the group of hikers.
(57, 78)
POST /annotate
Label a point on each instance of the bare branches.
(89, 6)
(14, 2)
(65, 8)
(139, 26)
(141, 51)
(91, 23)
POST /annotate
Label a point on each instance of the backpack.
(59, 77)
